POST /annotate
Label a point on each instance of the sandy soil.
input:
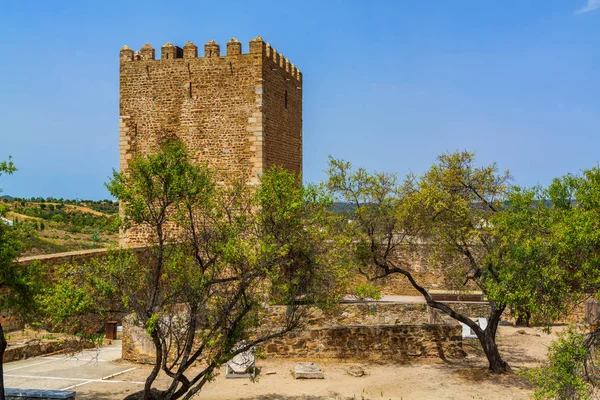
(425, 379)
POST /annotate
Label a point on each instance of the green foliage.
(220, 254)
(550, 246)
(452, 205)
(19, 283)
(448, 209)
(6, 167)
(77, 299)
(372, 228)
(551, 255)
(74, 221)
(562, 375)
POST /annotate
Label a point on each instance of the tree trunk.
(3, 346)
(486, 337)
(490, 348)
(149, 393)
(523, 319)
(154, 394)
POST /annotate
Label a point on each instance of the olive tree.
(449, 209)
(220, 251)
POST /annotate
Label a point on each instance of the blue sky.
(388, 85)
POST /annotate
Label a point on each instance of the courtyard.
(102, 375)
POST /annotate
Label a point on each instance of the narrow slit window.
(286, 99)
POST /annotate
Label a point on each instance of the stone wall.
(381, 313)
(35, 348)
(372, 343)
(239, 113)
(415, 326)
(137, 345)
(79, 257)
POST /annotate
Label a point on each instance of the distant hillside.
(342, 208)
(58, 225)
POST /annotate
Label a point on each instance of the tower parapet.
(147, 52)
(234, 47)
(212, 50)
(170, 52)
(126, 54)
(190, 50)
(258, 46)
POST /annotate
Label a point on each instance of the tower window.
(286, 99)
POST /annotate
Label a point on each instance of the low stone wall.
(74, 257)
(80, 256)
(36, 348)
(372, 343)
(419, 330)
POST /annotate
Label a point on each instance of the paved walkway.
(69, 373)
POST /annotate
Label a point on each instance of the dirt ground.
(423, 380)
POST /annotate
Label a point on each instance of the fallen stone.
(270, 372)
(521, 332)
(242, 365)
(355, 371)
(308, 370)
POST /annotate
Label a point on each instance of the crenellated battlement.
(212, 50)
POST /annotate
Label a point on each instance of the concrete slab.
(68, 372)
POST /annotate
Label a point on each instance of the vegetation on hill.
(57, 225)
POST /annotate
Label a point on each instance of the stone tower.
(241, 113)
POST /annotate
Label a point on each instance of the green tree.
(219, 254)
(551, 252)
(18, 284)
(449, 210)
(565, 375)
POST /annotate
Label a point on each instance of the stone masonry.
(399, 331)
(372, 343)
(238, 113)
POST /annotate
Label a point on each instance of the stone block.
(308, 370)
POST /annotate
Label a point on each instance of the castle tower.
(241, 113)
